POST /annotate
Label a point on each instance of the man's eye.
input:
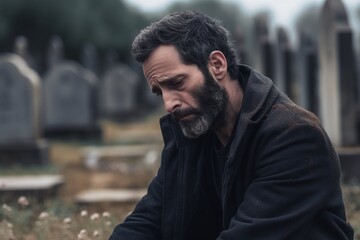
(157, 93)
(177, 84)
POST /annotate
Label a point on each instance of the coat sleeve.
(145, 222)
(296, 174)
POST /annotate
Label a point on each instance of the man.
(240, 160)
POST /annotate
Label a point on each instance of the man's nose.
(170, 102)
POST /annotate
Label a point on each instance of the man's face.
(196, 101)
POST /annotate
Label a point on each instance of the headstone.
(307, 72)
(30, 183)
(285, 77)
(119, 92)
(89, 58)
(111, 196)
(38, 188)
(111, 59)
(338, 80)
(240, 44)
(124, 159)
(70, 102)
(20, 127)
(55, 53)
(263, 48)
(21, 49)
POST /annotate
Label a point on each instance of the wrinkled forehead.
(162, 62)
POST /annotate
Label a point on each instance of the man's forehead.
(161, 62)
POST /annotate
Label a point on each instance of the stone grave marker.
(119, 92)
(20, 126)
(338, 80)
(70, 102)
(124, 159)
(55, 53)
(21, 48)
(89, 58)
(307, 72)
(285, 78)
(263, 50)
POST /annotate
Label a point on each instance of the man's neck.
(235, 94)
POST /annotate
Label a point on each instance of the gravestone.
(21, 49)
(239, 37)
(89, 58)
(110, 60)
(119, 92)
(35, 186)
(338, 80)
(20, 127)
(307, 72)
(263, 49)
(55, 53)
(70, 102)
(285, 78)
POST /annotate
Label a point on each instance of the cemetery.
(79, 144)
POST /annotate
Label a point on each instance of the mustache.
(180, 113)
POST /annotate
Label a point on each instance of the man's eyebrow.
(172, 78)
(165, 82)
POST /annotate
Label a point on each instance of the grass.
(26, 220)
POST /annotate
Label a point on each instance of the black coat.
(281, 179)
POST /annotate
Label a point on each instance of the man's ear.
(217, 65)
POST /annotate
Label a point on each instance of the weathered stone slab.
(110, 196)
(119, 92)
(124, 159)
(338, 81)
(55, 52)
(20, 113)
(30, 183)
(35, 187)
(307, 73)
(285, 78)
(70, 102)
(263, 51)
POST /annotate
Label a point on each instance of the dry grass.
(60, 218)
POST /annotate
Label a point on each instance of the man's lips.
(182, 115)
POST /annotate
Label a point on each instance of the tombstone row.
(321, 75)
(68, 102)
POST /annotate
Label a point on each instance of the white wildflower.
(94, 216)
(67, 220)
(83, 213)
(23, 201)
(106, 214)
(6, 208)
(43, 215)
(82, 234)
(96, 233)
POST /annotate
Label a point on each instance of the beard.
(212, 102)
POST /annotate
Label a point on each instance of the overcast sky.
(283, 10)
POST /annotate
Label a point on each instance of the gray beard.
(206, 119)
(196, 127)
(211, 111)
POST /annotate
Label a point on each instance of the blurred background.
(79, 133)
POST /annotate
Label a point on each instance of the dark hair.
(194, 34)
